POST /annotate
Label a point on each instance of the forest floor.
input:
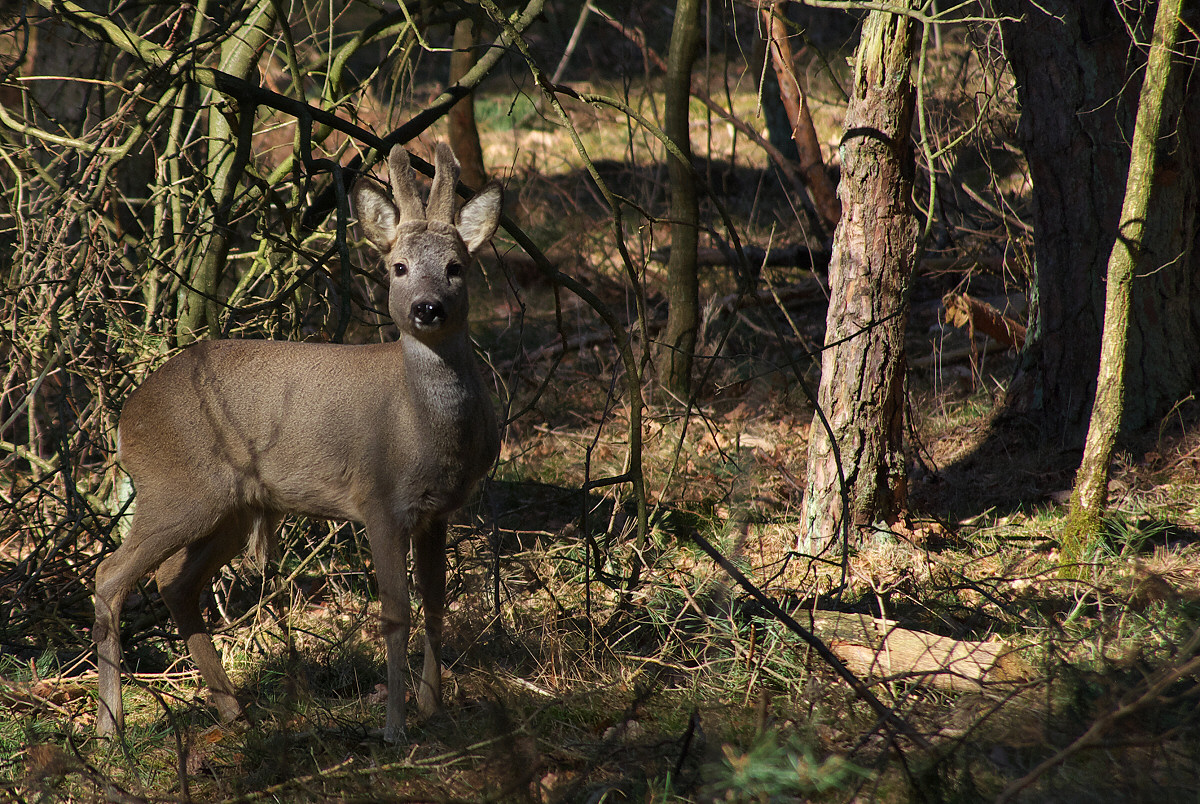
(577, 686)
(584, 664)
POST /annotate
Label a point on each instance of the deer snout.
(428, 314)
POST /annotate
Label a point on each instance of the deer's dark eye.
(400, 269)
(454, 269)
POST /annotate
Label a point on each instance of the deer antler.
(445, 179)
(404, 186)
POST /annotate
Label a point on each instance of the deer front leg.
(429, 566)
(389, 551)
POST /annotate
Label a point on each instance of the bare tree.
(861, 454)
(157, 195)
(464, 133)
(683, 318)
(1073, 63)
(816, 178)
(227, 157)
(1090, 497)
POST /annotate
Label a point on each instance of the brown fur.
(229, 436)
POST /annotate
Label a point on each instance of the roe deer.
(228, 436)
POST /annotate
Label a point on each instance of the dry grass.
(566, 680)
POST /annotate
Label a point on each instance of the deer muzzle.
(428, 314)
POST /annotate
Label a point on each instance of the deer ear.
(376, 214)
(478, 218)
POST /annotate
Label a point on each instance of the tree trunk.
(862, 367)
(464, 134)
(1073, 61)
(683, 291)
(228, 154)
(808, 147)
(1090, 496)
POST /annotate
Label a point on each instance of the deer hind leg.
(154, 535)
(182, 580)
(429, 567)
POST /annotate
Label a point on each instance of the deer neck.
(449, 378)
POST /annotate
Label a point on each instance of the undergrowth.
(581, 662)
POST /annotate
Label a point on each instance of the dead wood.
(945, 357)
(872, 646)
(22, 695)
(964, 311)
(803, 256)
(939, 265)
(791, 255)
(811, 288)
(820, 186)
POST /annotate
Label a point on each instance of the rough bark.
(683, 292)
(1090, 497)
(1073, 61)
(1162, 363)
(862, 367)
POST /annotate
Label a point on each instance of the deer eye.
(454, 269)
(399, 269)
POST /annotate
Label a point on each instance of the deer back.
(324, 429)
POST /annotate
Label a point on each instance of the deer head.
(426, 247)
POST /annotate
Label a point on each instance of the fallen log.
(23, 695)
(948, 356)
(789, 255)
(880, 648)
(811, 288)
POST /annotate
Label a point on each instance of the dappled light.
(778, 504)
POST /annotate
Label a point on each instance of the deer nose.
(428, 314)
